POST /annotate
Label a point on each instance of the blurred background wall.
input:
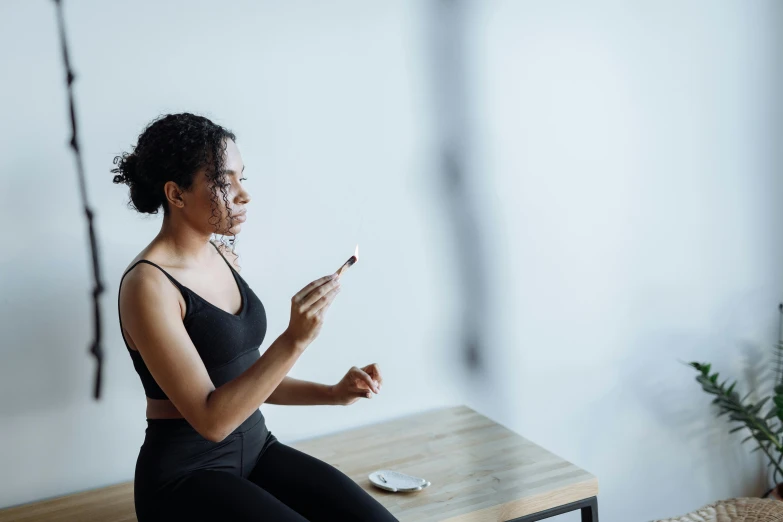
(625, 159)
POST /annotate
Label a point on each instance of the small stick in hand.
(351, 260)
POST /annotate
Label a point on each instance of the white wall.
(632, 152)
(326, 105)
(629, 176)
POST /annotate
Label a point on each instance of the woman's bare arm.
(295, 392)
(290, 391)
(152, 317)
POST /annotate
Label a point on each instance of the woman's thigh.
(211, 496)
(315, 489)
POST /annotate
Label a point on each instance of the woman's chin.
(233, 231)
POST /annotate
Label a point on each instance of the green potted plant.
(763, 425)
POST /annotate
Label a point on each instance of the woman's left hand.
(358, 383)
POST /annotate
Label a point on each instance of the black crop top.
(227, 343)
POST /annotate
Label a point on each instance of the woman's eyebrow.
(231, 172)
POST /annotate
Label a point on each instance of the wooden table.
(480, 471)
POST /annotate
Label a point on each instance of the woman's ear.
(173, 194)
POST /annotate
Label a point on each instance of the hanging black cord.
(95, 348)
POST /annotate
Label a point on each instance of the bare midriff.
(162, 409)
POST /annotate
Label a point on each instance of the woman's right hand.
(308, 307)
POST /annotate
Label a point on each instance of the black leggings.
(249, 476)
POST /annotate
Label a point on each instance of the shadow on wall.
(679, 407)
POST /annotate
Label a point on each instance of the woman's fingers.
(323, 304)
(361, 392)
(304, 292)
(362, 376)
(319, 293)
(308, 307)
(375, 372)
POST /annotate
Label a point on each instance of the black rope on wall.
(95, 348)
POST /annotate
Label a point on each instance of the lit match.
(351, 260)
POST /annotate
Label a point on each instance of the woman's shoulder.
(149, 254)
(148, 267)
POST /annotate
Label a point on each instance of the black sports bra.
(227, 343)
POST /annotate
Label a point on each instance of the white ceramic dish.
(396, 481)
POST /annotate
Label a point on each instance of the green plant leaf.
(738, 428)
(709, 387)
(757, 407)
(762, 422)
(731, 388)
(772, 413)
(779, 389)
(746, 439)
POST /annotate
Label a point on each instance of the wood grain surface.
(480, 471)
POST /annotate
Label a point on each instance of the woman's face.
(199, 200)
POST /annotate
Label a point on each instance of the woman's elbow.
(217, 436)
(213, 432)
(210, 426)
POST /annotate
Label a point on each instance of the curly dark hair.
(174, 147)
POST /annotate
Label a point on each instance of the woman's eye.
(242, 179)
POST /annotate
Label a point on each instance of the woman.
(193, 330)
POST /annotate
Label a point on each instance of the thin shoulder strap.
(176, 283)
(224, 257)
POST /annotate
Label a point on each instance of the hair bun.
(126, 168)
(173, 147)
(143, 195)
